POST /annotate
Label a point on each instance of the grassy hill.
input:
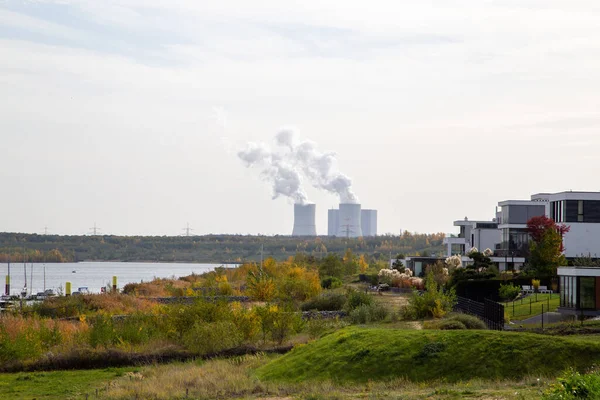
(362, 354)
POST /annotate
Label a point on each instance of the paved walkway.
(549, 318)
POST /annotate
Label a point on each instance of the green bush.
(208, 338)
(433, 302)
(508, 291)
(331, 283)
(357, 298)
(451, 324)
(469, 321)
(573, 385)
(366, 313)
(325, 302)
(102, 332)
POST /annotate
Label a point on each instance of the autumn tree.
(546, 247)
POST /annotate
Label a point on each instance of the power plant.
(304, 220)
(351, 221)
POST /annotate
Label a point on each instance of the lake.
(94, 275)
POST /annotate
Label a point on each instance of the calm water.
(94, 275)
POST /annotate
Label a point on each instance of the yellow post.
(7, 287)
(114, 288)
(68, 289)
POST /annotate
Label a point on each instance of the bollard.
(114, 284)
(67, 288)
(7, 287)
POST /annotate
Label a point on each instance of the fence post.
(529, 306)
(549, 302)
(513, 308)
(542, 317)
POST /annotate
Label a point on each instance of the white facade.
(510, 241)
(368, 222)
(581, 212)
(304, 220)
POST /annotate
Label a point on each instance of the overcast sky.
(129, 113)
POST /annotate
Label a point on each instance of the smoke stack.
(304, 220)
(349, 221)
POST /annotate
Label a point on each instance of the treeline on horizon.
(207, 248)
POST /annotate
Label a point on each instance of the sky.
(129, 114)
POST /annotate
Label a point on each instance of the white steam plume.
(319, 167)
(284, 177)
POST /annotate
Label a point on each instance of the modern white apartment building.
(507, 234)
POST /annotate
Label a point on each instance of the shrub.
(366, 313)
(326, 302)
(451, 324)
(536, 284)
(357, 298)
(431, 303)
(331, 283)
(508, 291)
(573, 385)
(208, 338)
(469, 321)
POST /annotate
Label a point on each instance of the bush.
(331, 283)
(573, 385)
(451, 324)
(208, 338)
(508, 292)
(326, 302)
(364, 313)
(431, 303)
(357, 299)
(469, 321)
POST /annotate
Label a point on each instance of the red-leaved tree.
(538, 226)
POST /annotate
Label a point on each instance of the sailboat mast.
(31, 281)
(25, 268)
(7, 289)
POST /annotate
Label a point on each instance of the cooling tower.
(368, 222)
(333, 222)
(304, 220)
(349, 221)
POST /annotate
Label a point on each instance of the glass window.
(562, 291)
(573, 293)
(587, 292)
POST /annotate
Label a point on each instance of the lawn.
(235, 378)
(57, 385)
(361, 354)
(531, 306)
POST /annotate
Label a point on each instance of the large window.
(571, 297)
(587, 293)
(575, 211)
(568, 291)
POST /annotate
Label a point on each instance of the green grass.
(522, 309)
(57, 385)
(362, 354)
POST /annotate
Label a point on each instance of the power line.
(187, 229)
(95, 230)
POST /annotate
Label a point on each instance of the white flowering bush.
(454, 262)
(473, 250)
(397, 278)
(488, 252)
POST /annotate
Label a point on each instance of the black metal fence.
(489, 311)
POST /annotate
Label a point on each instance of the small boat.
(74, 271)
